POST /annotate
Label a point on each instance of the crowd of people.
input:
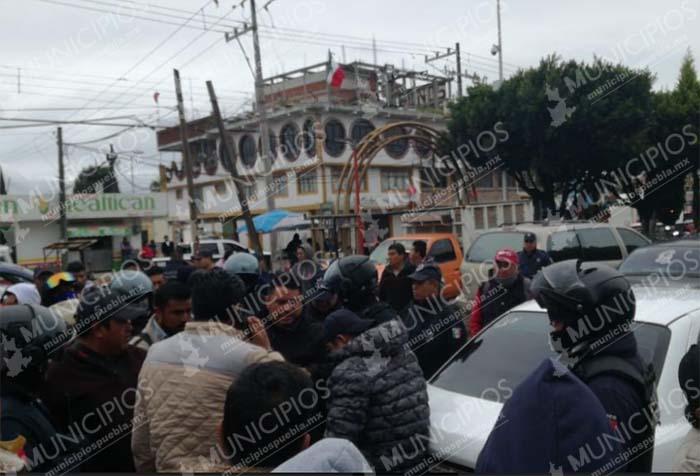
(206, 366)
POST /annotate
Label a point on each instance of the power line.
(144, 58)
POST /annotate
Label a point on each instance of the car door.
(631, 239)
(444, 254)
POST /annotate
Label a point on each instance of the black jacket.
(23, 414)
(396, 290)
(623, 401)
(495, 299)
(301, 343)
(88, 388)
(379, 399)
(435, 332)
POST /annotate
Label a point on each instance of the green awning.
(97, 230)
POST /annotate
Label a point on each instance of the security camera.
(494, 50)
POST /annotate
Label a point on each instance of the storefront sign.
(105, 205)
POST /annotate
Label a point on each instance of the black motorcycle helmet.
(29, 334)
(353, 279)
(589, 299)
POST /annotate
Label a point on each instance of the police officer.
(247, 267)
(435, 327)
(591, 308)
(354, 279)
(530, 258)
(29, 334)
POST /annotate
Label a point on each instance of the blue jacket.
(552, 424)
(531, 263)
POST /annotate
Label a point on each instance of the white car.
(467, 394)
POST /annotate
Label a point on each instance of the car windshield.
(491, 361)
(676, 262)
(380, 255)
(486, 245)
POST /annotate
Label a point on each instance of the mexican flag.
(336, 75)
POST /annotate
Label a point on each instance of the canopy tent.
(277, 220)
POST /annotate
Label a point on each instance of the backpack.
(645, 383)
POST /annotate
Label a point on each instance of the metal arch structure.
(366, 150)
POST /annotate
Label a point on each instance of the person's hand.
(258, 334)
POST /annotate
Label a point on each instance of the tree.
(3, 188)
(95, 179)
(155, 186)
(566, 123)
(687, 97)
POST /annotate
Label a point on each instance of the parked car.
(441, 247)
(588, 241)
(467, 393)
(671, 263)
(12, 274)
(218, 246)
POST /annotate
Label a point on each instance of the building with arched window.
(304, 171)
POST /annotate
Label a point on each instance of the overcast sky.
(112, 64)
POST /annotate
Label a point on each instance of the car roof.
(421, 236)
(655, 305)
(684, 243)
(8, 268)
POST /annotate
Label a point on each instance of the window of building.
(510, 181)
(307, 182)
(395, 180)
(272, 145)
(281, 185)
(250, 189)
(433, 178)
(486, 181)
(421, 146)
(335, 138)
(309, 139)
(247, 150)
(360, 129)
(335, 180)
(220, 188)
(396, 149)
(288, 139)
(178, 194)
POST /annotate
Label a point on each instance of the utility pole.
(187, 160)
(260, 106)
(242, 199)
(61, 185)
(458, 52)
(500, 44)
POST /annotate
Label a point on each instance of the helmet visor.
(559, 283)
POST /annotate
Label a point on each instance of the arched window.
(247, 150)
(360, 129)
(273, 146)
(288, 139)
(397, 149)
(422, 148)
(335, 138)
(309, 139)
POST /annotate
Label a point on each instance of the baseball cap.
(344, 321)
(530, 236)
(99, 303)
(507, 255)
(425, 272)
(43, 272)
